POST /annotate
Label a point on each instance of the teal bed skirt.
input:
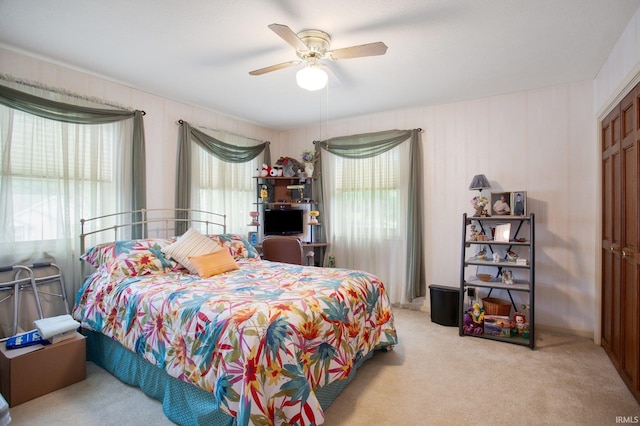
(182, 403)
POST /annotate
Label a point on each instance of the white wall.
(540, 141)
(621, 70)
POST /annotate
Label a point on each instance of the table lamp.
(479, 182)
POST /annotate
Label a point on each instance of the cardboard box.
(30, 372)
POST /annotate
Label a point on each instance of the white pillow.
(191, 243)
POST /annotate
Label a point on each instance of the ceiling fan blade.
(334, 80)
(274, 68)
(289, 36)
(370, 49)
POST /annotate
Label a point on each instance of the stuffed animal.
(290, 166)
(265, 171)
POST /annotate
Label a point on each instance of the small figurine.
(520, 323)
(482, 254)
(478, 314)
(474, 320)
(507, 277)
(473, 233)
(511, 256)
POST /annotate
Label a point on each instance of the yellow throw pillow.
(214, 263)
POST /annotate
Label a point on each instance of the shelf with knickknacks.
(510, 257)
(288, 185)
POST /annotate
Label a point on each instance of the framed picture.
(253, 238)
(519, 203)
(501, 203)
(503, 233)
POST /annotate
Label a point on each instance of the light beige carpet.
(433, 377)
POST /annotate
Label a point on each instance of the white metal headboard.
(159, 223)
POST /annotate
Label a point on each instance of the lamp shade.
(311, 78)
(479, 182)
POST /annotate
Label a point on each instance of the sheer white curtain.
(52, 174)
(365, 203)
(223, 187)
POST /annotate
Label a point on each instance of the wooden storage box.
(27, 373)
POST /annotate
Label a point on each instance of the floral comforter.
(262, 338)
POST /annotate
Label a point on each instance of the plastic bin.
(444, 305)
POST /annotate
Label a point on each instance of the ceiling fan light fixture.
(312, 78)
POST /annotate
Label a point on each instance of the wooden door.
(629, 244)
(611, 235)
(620, 237)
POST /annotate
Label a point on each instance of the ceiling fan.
(312, 47)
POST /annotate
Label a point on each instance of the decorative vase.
(308, 168)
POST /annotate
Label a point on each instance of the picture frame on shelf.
(503, 233)
(519, 203)
(253, 238)
(501, 204)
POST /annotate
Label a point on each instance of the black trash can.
(444, 305)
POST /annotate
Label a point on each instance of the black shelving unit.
(521, 241)
(279, 197)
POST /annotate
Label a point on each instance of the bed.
(256, 342)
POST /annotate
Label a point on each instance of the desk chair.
(283, 249)
(22, 278)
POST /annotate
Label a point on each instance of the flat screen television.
(283, 222)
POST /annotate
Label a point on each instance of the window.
(366, 202)
(225, 188)
(52, 175)
(368, 193)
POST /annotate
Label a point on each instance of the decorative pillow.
(100, 254)
(238, 246)
(191, 243)
(131, 257)
(214, 263)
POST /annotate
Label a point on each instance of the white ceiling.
(200, 51)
